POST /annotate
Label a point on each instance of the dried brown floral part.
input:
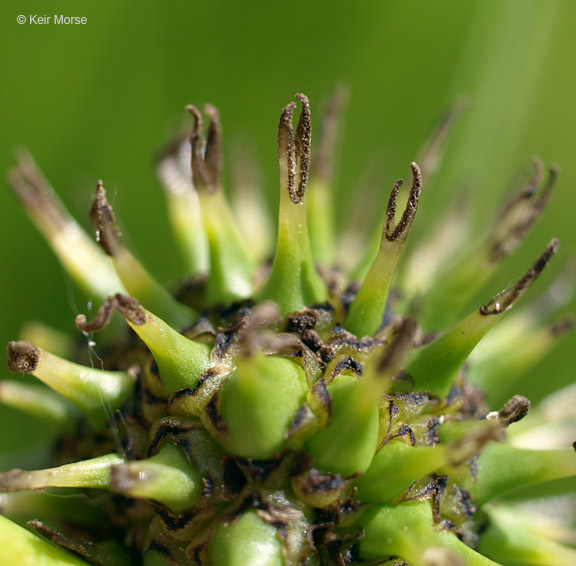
(231, 262)
(107, 233)
(95, 391)
(294, 149)
(399, 231)
(37, 196)
(181, 361)
(286, 151)
(366, 312)
(302, 146)
(504, 300)
(519, 215)
(294, 282)
(134, 276)
(206, 156)
(514, 410)
(435, 367)
(174, 171)
(23, 357)
(79, 255)
(127, 306)
(456, 284)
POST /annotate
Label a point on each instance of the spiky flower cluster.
(286, 414)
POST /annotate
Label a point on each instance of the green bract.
(289, 413)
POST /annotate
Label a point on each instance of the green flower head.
(313, 403)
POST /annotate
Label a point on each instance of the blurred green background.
(95, 101)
